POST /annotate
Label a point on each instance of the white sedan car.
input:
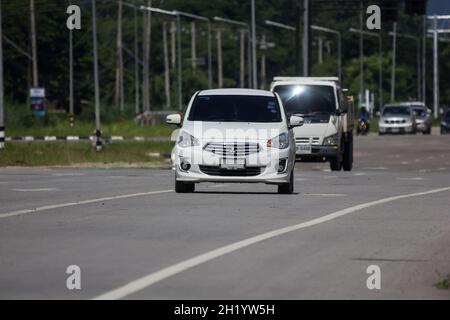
(234, 136)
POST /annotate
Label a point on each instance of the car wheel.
(287, 188)
(348, 155)
(336, 164)
(181, 187)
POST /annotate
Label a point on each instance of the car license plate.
(233, 164)
(304, 149)
(395, 130)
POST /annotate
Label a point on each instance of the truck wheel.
(336, 164)
(348, 154)
(181, 187)
(287, 188)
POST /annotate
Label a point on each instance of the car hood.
(234, 131)
(395, 118)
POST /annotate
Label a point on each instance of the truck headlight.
(280, 142)
(331, 140)
(185, 140)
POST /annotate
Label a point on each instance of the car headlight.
(185, 140)
(280, 142)
(331, 140)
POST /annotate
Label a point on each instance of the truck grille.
(232, 149)
(219, 172)
(313, 141)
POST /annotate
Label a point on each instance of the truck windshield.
(238, 108)
(307, 99)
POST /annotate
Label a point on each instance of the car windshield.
(307, 99)
(396, 111)
(420, 112)
(235, 108)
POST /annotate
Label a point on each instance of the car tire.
(287, 188)
(181, 187)
(336, 164)
(348, 154)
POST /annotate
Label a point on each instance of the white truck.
(327, 134)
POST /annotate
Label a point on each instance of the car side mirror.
(174, 119)
(296, 121)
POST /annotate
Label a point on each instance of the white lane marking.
(330, 177)
(405, 163)
(411, 179)
(78, 203)
(147, 281)
(36, 190)
(377, 168)
(302, 179)
(326, 194)
(68, 174)
(359, 174)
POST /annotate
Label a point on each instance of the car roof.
(414, 104)
(237, 92)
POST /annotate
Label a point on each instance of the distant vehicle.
(363, 127)
(424, 119)
(235, 135)
(327, 134)
(445, 123)
(397, 119)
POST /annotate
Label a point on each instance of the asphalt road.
(133, 238)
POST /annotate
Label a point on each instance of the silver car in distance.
(397, 119)
(234, 136)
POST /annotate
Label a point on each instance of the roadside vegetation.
(67, 154)
(444, 284)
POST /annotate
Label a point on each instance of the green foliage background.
(53, 56)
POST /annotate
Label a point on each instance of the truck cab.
(327, 133)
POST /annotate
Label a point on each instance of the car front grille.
(395, 121)
(233, 149)
(219, 172)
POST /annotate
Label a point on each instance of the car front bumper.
(319, 153)
(395, 128)
(261, 167)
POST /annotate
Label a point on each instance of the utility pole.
(34, 44)
(166, 67)
(219, 59)
(136, 63)
(173, 44)
(244, 32)
(254, 61)
(424, 61)
(361, 58)
(306, 39)
(394, 61)
(417, 40)
(193, 48)
(320, 51)
(71, 102)
(436, 69)
(380, 60)
(119, 59)
(263, 61)
(242, 58)
(2, 106)
(98, 140)
(146, 71)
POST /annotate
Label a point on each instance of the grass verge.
(62, 129)
(67, 154)
(444, 284)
